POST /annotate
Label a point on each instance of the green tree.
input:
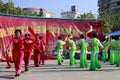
(1, 6)
(108, 19)
(117, 22)
(88, 15)
(9, 7)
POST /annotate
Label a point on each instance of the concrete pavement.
(52, 71)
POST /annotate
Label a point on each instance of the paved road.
(51, 71)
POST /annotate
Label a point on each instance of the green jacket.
(72, 45)
(60, 44)
(95, 44)
(116, 45)
(83, 44)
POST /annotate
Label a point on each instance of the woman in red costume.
(28, 46)
(17, 51)
(42, 48)
(37, 52)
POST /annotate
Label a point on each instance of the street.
(52, 71)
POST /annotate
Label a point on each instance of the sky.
(57, 6)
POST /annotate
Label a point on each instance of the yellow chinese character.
(37, 29)
(58, 30)
(10, 31)
(75, 32)
(62, 31)
(44, 29)
(26, 29)
(52, 29)
(2, 33)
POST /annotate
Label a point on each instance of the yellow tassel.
(90, 30)
(53, 34)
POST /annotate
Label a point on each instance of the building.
(46, 13)
(104, 5)
(73, 13)
(32, 10)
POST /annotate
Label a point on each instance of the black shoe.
(117, 65)
(59, 64)
(26, 69)
(37, 65)
(112, 64)
(92, 69)
(16, 75)
(99, 67)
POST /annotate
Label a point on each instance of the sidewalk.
(52, 71)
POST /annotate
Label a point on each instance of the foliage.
(88, 15)
(110, 20)
(9, 8)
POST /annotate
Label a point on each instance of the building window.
(68, 15)
(118, 3)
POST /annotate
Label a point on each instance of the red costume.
(42, 55)
(18, 53)
(28, 45)
(37, 54)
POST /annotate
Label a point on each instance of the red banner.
(48, 29)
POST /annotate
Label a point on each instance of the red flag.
(32, 32)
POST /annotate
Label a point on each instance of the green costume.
(116, 45)
(112, 53)
(105, 52)
(83, 50)
(72, 52)
(95, 43)
(60, 44)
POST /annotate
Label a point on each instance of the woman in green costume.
(72, 47)
(105, 51)
(95, 44)
(83, 49)
(59, 47)
(112, 52)
(116, 45)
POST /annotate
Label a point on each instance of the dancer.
(18, 51)
(42, 48)
(59, 47)
(116, 45)
(37, 52)
(72, 48)
(95, 44)
(112, 52)
(83, 49)
(105, 51)
(28, 46)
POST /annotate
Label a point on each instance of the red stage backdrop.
(49, 29)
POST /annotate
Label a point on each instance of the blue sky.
(57, 6)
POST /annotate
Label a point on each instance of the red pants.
(42, 58)
(18, 56)
(27, 57)
(36, 58)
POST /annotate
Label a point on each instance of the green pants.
(94, 61)
(83, 59)
(59, 57)
(112, 57)
(104, 55)
(117, 57)
(72, 59)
